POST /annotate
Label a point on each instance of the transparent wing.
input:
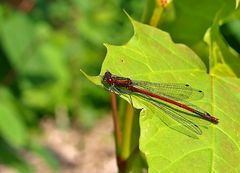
(173, 113)
(176, 91)
(179, 118)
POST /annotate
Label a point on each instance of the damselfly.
(172, 93)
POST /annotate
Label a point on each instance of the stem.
(121, 163)
(116, 123)
(127, 132)
(156, 15)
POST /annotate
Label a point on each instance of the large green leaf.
(151, 55)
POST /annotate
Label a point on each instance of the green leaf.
(94, 79)
(12, 127)
(192, 19)
(17, 39)
(151, 55)
(44, 88)
(224, 60)
(10, 157)
(189, 26)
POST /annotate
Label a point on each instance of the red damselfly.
(158, 93)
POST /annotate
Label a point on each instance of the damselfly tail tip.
(212, 119)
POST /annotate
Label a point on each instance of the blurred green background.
(43, 46)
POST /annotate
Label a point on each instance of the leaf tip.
(95, 79)
(106, 44)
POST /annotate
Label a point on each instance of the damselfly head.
(107, 78)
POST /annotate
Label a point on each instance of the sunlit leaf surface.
(151, 55)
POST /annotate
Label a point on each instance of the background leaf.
(192, 19)
(223, 59)
(188, 21)
(17, 45)
(12, 127)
